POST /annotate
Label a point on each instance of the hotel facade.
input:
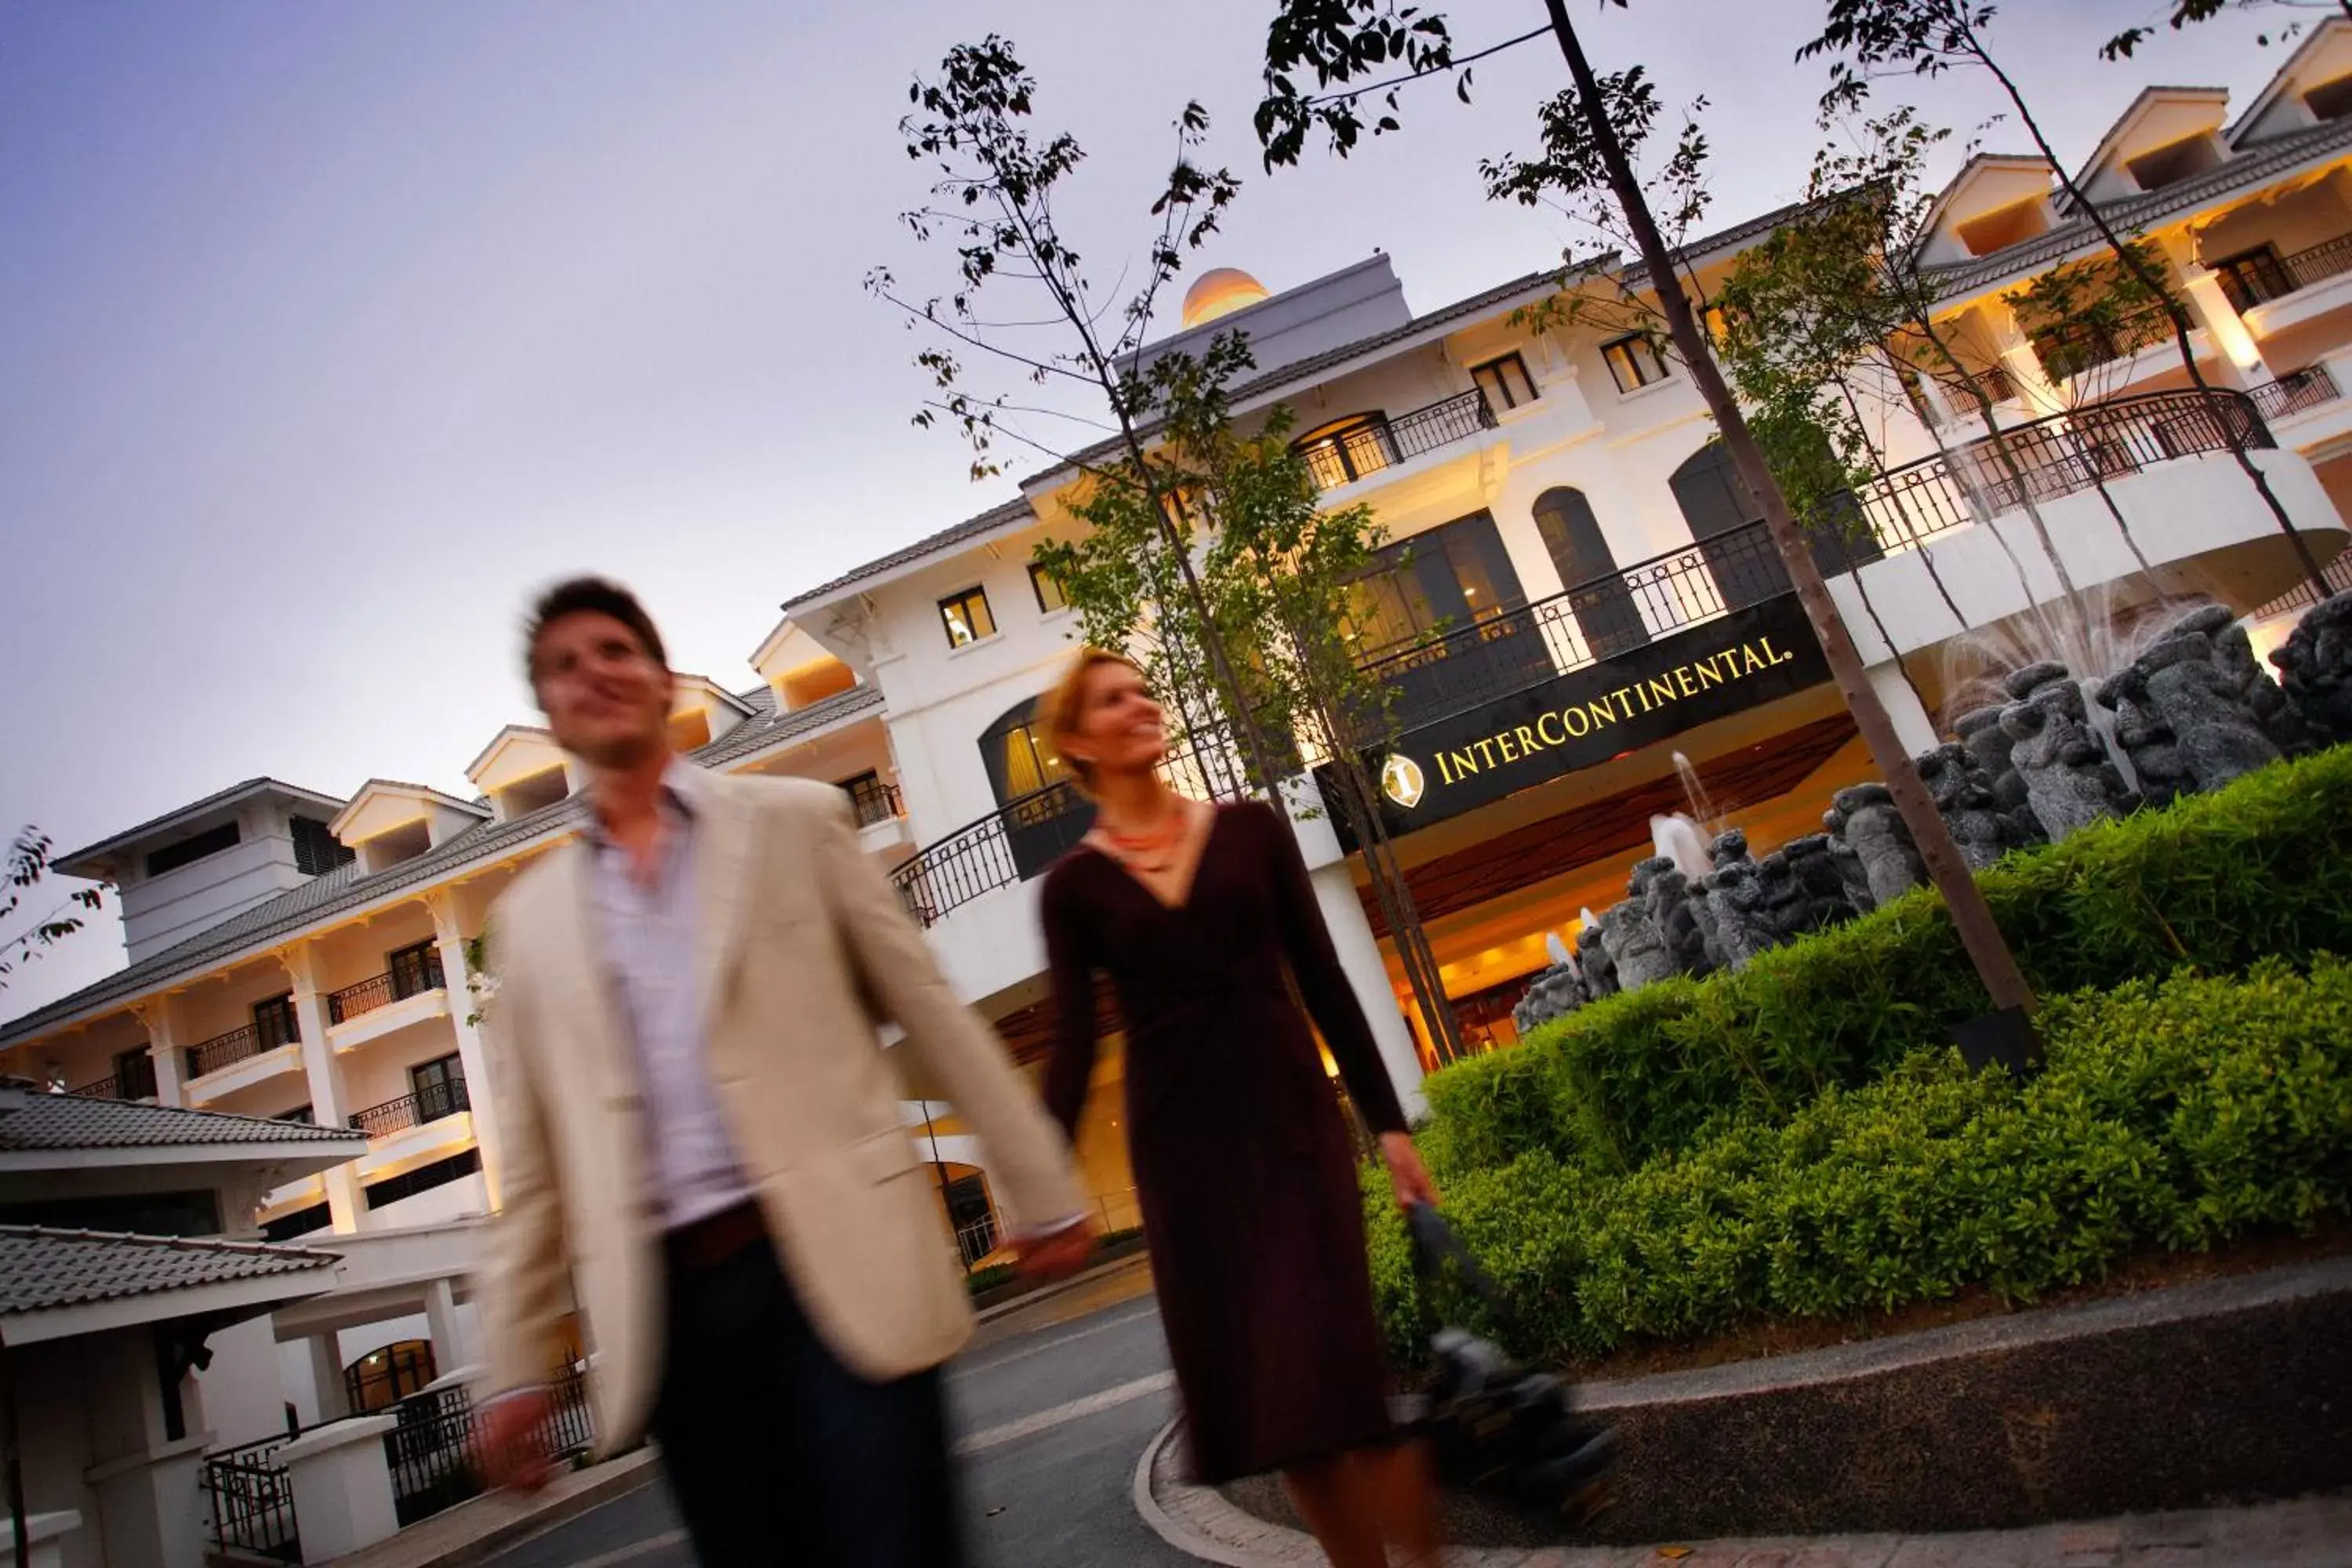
(1578, 609)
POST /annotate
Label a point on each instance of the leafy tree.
(27, 864)
(2185, 12)
(1590, 134)
(1930, 38)
(1200, 555)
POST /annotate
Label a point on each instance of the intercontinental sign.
(1554, 727)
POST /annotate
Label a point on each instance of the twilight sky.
(327, 332)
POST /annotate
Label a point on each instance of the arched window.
(1020, 763)
(1720, 510)
(1598, 596)
(384, 1376)
(1348, 449)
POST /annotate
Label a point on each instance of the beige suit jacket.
(806, 950)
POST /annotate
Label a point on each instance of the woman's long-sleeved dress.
(1243, 1162)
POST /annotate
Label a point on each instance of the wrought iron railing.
(2292, 393)
(874, 801)
(437, 1450)
(2059, 456)
(412, 1110)
(1584, 625)
(2069, 351)
(96, 1089)
(2251, 280)
(1021, 838)
(251, 1498)
(383, 990)
(1995, 382)
(226, 1050)
(1348, 455)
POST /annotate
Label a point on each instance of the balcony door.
(1443, 618)
(1038, 828)
(1606, 617)
(1726, 520)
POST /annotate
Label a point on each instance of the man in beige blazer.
(701, 1126)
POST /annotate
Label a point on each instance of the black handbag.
(1493, 1425)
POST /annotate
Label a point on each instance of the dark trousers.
(780, 1455)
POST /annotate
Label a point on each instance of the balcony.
(2068, 352)
(239, 1059)
(2310, 387)
(1347, 456)
(382, 1004)
(129, 1080)
(2251, 282)
(394, 1117)
(881, 814)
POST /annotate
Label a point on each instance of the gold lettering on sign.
(1516, 742)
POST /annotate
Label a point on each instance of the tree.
(1586, 132)
(1276, 571)
(2185, 12)
(28, 863)
(1929, 38)
(998, 183)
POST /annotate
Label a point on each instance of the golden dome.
(1220, 291)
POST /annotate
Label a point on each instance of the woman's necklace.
(1153, 848)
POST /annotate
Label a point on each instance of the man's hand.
(511, 1452)
(1056, 1254)
(1407, 1175)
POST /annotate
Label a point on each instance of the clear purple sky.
(327, 331)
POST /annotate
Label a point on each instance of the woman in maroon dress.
(1242, 1162)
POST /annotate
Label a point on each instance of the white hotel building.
(1575, 532)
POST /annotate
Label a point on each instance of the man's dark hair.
(579, 595)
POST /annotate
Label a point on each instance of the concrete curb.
(481, 1527)
(2308, 1532)
(1062, 1286)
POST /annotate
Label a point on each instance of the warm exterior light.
(1220, 291)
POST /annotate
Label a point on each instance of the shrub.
(2170, 1115)
(2216, 881)
(982, 1280)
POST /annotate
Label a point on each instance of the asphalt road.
(1052, 1405)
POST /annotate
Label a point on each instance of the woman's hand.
(1407, 1175)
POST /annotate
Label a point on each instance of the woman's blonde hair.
(1062, 709)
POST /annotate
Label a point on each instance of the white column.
(160, 1015)
(2224, 328)
(1359, 958)
(326, 1075)
(1913, 724)
(45, 1536)
(327, 1383)
(451, 943)
(342, 1487)
(441, 1327)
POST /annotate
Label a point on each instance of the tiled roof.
(989, 521)
(77, 1121)
(2137, 212)
(349, 886)
(41, 1268)
(195, 809)
(773, 727)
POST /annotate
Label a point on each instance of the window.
(2330, 101)
(1048, 589)
(1348, 449)
(1435, 582)
(966, 617)
(1725, 518)
(415, 970)
(134, 1074)
(439, 1086)
(389, 1375)
(2170, 164)
(187, 851)
(870, 798)
(1019, 761)
(1597, 593)
(316, 850)
(301, 1115)
(1505, 381)
(302, 1222)
(423, 1179)
(1634, 363)
(274, 1023)
(971, 1218)
(2253, 277)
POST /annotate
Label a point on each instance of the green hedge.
(2216, 881)
(2170, 1115)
